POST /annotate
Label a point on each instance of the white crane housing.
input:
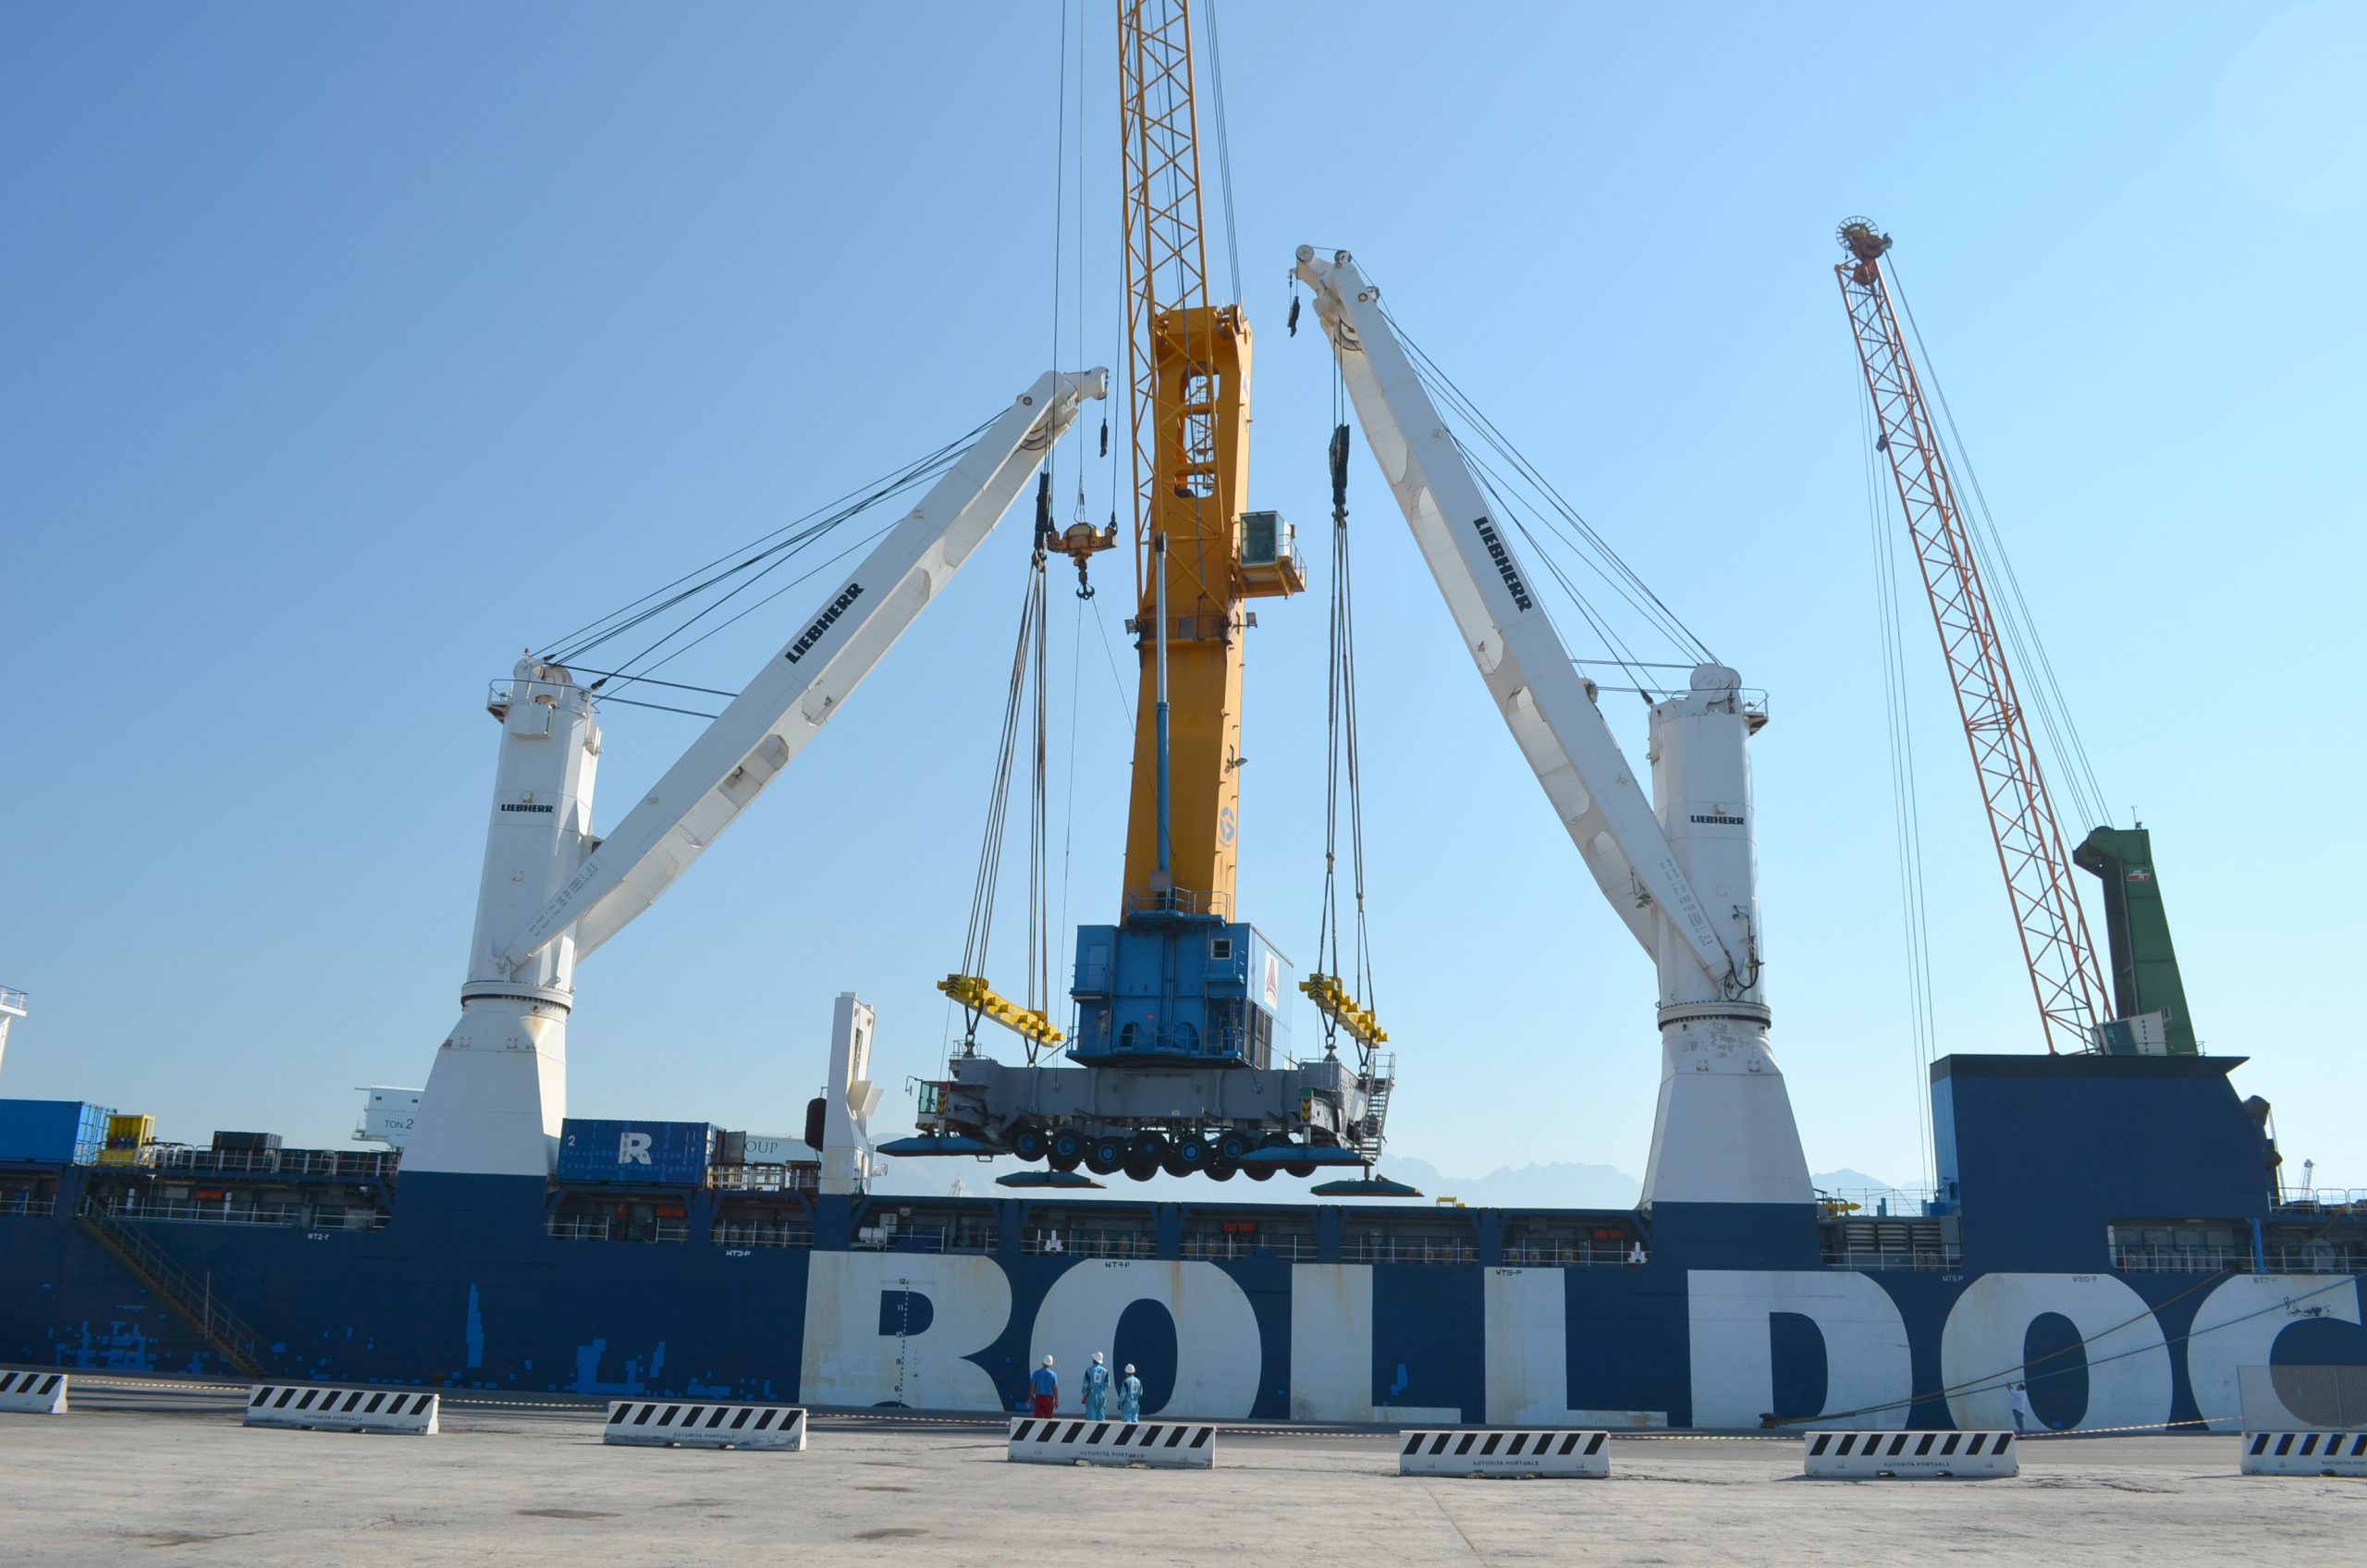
(552, 890)
(1680, 869)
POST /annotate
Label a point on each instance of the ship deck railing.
(19, 1205)
(1944, 1260)
(571, 1228)
(763, 1236)
(346, 1164)
(2324, 1259)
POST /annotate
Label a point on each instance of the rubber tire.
(1139, 1171)
(1232, 1145)
(1188, 1156)
(1030, 1142)
(1301, 1169)
(1149, 1148)
(1105, 1155)
(1258, 1172)
(1220, 1171)
(1068, 1149)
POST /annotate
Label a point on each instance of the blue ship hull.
(1737, 1315)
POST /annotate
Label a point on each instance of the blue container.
(53, 1131)
(663, 1154)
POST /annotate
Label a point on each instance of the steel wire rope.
(831, 513)
(1027, 650)
(1497, 485)
(1342, 761)
(2021, 626)
(1646, 601)
(729, 621)
(1224, 144)
(1905, 808)
(1619, 653)
(779, 560)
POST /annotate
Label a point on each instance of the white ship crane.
(553, 890)
(1680, 869)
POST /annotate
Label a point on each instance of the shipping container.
(771, 1148)
(128, 1139)
(53, 1131)
(758, 1148)
(669, 1154)
(389, 1115)
(245, 1143)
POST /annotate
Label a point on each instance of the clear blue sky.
(349, 349)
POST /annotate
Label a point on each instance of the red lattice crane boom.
(2064, 976)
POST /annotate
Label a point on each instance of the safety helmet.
(1047, 1360)
(1129, 1370)
(1097, 1358)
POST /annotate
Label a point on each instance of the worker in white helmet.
(1097, 1390)
(1047, 1386)
(1130, 1396)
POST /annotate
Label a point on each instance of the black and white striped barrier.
(2305, 1454)
(1911, 1455)
(313, 1408)
(673, 1423)
(1178, 1445)
(33, 1393)
(1461, 1452)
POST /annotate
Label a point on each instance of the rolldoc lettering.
(822, 623)
(1503, 559)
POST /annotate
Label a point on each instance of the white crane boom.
(1723, 1133)
(551, 891)
(1547, 706)
(797, 691)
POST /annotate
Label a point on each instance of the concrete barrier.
(1176, 1445)
(2305, 1454)
(33, 1393)
(1465, 1452)
(673, 1423)
(1912, 1455)
(313, 1407)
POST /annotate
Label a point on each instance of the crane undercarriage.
(1181, 1121)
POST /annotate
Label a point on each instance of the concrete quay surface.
(155, 1471)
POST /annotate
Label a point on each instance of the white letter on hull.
(1218, 1348)
(2237, 1325)
(1981, 1349)
(860, 1351)
(1869, 1371)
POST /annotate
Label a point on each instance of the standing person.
(1130, 1396)
(2021, 1402)
(1097, 1390)
(1047, 1385)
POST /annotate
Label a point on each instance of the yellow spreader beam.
(974, 993)
(1331, 1000)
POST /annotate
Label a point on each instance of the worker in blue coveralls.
(1097, 1390)
(1045, 1385)
(1130, 1396)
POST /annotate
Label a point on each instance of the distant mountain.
(1561, 1185)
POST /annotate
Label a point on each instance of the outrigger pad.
(1364, 1187)
(1047, 1178)
(907, 1147)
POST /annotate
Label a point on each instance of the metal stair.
(233, 1338)
(1375, 1086)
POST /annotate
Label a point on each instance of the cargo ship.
(2106, 1220)
(2105, 1227)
